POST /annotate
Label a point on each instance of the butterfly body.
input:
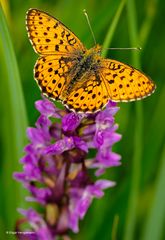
(80, 78)
(85, 64)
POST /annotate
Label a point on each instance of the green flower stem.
(135, 179)
(14, 124)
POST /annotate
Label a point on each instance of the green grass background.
(135, 208)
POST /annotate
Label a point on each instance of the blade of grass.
(158, 133)
(136, 161)
(114, 227)
(150, 154)
(157, 209)
(151, 11)
(5, 7)
(111, 30)
(14, 125)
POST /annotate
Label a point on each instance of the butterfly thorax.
(91, 56)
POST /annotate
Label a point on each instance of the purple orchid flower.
(56, 167)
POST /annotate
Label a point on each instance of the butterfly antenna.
(87, 18)
(131, 48)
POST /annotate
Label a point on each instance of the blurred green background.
(135, 208)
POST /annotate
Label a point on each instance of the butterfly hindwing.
(89, 95)
(52, 74)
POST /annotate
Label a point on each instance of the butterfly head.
(96, 50)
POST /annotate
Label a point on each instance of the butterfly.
(80, 78)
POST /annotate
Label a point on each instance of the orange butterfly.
(80, 78)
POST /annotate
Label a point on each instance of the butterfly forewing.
(50, 36)
(125, 83)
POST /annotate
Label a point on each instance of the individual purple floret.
(56, 167)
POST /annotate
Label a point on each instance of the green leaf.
(14, 123)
